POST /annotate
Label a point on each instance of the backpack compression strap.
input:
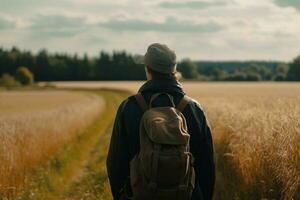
(141, 101)
(183, 102)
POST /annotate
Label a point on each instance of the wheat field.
(256, 131)
(255, 126)
(34, 125)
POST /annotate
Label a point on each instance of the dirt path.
(79, 170)
(91, 181)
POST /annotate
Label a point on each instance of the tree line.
(120, 65)
(64, 67)
(241, 71)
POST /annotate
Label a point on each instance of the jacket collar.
(162, 86)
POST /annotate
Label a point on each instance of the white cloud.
(220, 29)
(169, 25)
(6, 23)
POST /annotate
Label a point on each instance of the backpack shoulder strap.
(183, 102)
(141, 101)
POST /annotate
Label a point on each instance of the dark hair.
(163, 76)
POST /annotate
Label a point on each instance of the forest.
(47, 66)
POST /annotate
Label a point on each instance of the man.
(160, 68)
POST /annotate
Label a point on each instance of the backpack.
(163, 168)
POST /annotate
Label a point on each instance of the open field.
(23, 102)
(256, 130)
(34, 125)
(209, 89)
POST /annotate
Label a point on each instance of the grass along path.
(92, 182)
(78, 171)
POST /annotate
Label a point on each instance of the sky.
(196, 29)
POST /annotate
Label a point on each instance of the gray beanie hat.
(158, 58)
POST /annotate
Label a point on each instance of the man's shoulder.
(131, 102)
(128, 104)
(195, 104)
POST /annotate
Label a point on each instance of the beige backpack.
(163, 168)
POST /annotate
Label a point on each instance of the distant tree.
(24, 76)
(188, 69)
(59, 69)
(281, 72)
(237, 76)
(8, 80)
(42, 66)
(102, 66)
(252, 68)
(203, 78)
(294, 70)
(265, 72)
(218, 74)
(84, 69)
(282, 68)
(253, 77)
(279, 77)
(256, 72)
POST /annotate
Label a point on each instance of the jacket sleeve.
(203, 151)
(117, 160)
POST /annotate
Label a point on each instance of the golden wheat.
(21, 102)
(256, 128)
(34, 125)
(257, 132)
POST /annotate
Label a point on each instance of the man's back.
(125, 138)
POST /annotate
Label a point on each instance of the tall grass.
(256, 132)
(28, 139)
(257, 140)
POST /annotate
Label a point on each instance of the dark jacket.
(125, 138)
